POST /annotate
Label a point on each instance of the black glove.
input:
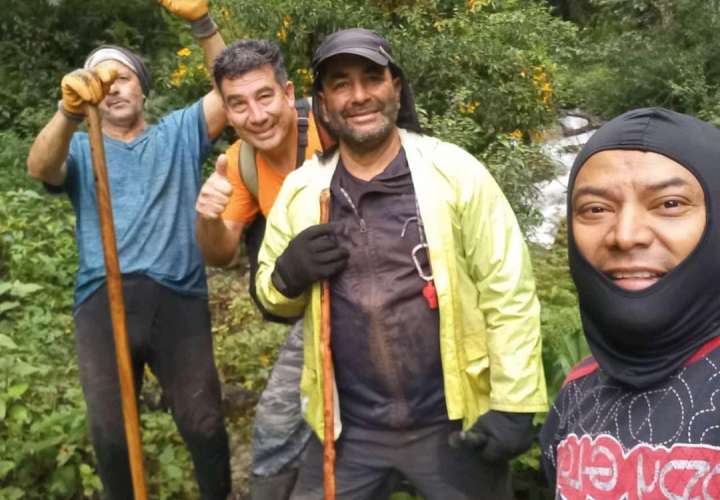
(497, 435)
(311, 256)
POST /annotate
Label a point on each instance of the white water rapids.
(552, 199)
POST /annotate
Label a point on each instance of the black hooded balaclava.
(642, 337)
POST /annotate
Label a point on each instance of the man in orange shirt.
(260, 105)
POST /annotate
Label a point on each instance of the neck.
(124, 132)
(368, 162)
(283, 158)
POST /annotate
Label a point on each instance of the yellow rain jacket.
(489, 313)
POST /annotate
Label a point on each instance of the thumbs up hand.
(215, 193)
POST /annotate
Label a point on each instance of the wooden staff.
(327, 371)
(117, 304)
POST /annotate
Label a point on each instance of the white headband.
(107, 54)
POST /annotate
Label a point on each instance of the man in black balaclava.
(640, 418)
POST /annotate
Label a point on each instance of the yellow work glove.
(86, 86)
(190, 10)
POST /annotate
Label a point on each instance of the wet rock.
(572, 124)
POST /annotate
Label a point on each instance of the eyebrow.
(243, 97)
(370, 67)
(604, 192)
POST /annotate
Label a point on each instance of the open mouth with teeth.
(634, 280)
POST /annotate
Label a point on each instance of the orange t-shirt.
(243, 206)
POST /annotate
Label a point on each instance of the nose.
(359, 92)
(631, 230)
(256, 113)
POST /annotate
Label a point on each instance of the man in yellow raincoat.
(435, 320)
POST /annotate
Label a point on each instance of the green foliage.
(646, 53)
(42, 414)
(41, 40)
(246, 346)
(518, 168)
(564, 343)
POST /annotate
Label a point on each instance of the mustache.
(110, 102)
(360, 110)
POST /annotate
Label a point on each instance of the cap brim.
(373, 55)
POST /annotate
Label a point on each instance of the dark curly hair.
(248, 55)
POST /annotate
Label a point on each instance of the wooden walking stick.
(117, 304)
(327, 371)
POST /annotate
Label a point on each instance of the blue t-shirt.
(154, 181)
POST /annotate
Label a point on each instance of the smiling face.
(260, 109)
(123, 105)
(636, 215)
(359, 100)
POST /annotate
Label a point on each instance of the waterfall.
(576, 131)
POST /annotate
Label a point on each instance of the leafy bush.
(646, 53)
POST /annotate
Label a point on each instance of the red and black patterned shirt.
(605, 440)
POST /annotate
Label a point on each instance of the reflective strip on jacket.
(489, 313)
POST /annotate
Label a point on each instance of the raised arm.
(48, 154)
(212, 43)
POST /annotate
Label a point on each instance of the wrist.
(281, 284)
(203, 27)
(76, 118)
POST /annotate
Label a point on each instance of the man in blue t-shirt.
(154, 175)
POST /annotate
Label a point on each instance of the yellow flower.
(306, 79)
(184, 52)
(264, 360)
(469, 108)
(536, 135)
(178, 75)
(284, 29)
(475, 5)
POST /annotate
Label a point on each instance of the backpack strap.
(303, 110)
(248, 167)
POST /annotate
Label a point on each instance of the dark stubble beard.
(364, 141)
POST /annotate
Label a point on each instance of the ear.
(397, 85)
(290, 92)
(321, 106)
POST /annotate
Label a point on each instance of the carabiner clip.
(416, 261)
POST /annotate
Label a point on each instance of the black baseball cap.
(358, 41)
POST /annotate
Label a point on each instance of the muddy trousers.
(366, 458)
(280, 434)
(279, 431)
(171, 334)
